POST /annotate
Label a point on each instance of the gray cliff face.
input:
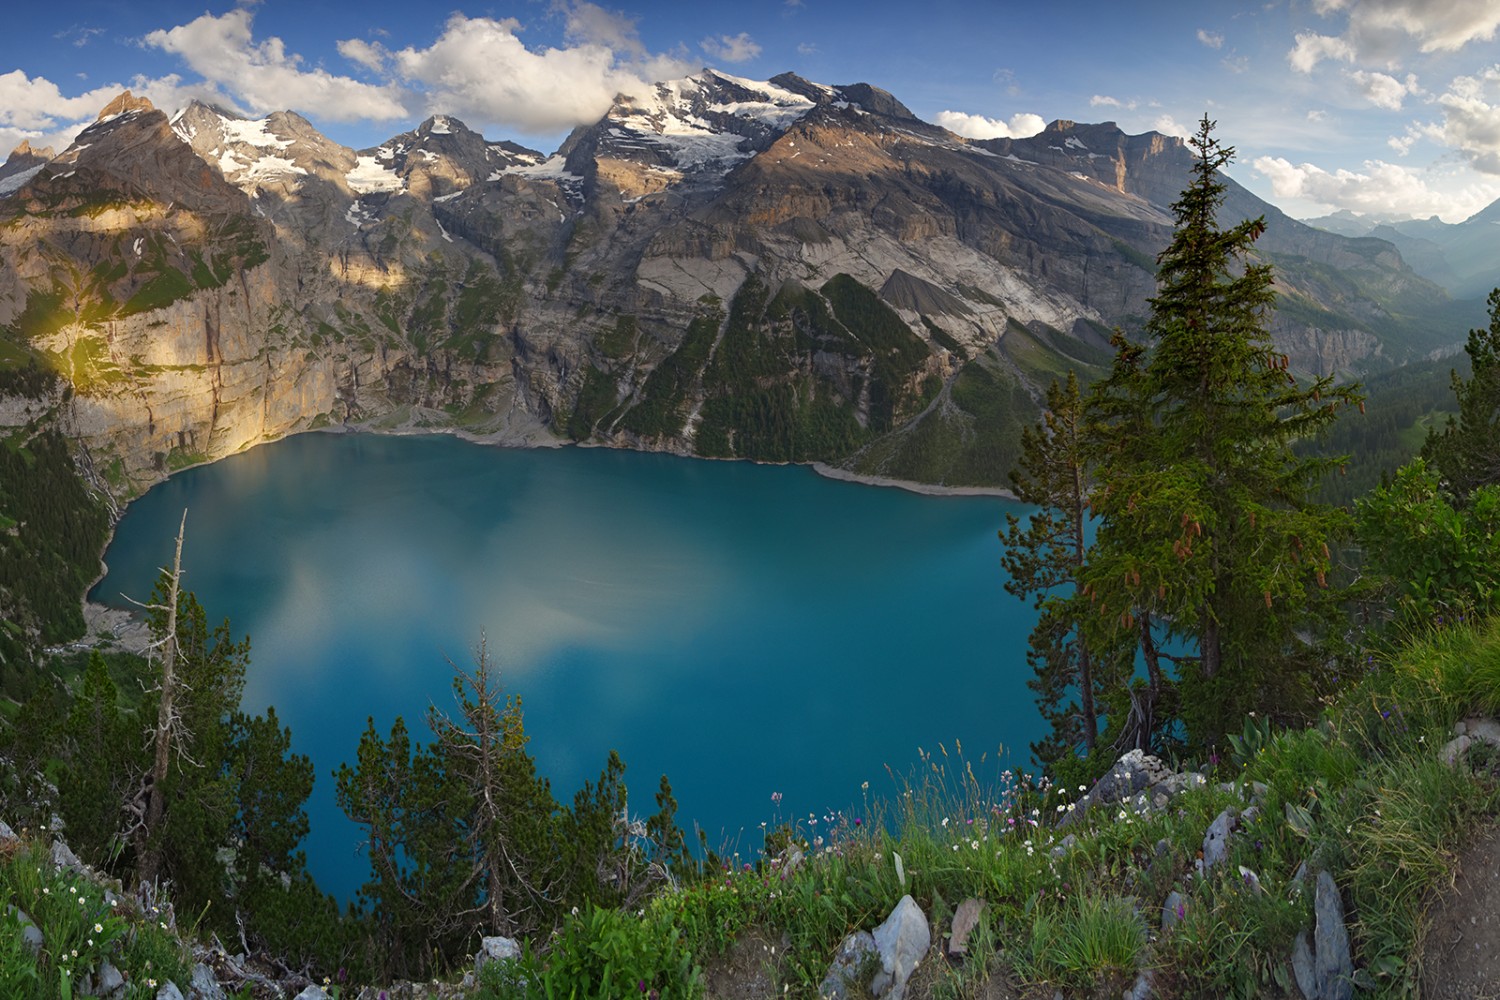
(778, 270)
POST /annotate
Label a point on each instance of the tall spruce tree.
(1208, 537)
(1467, 451)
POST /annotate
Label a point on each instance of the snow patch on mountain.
(369, 176)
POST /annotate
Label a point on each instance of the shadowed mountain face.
(775, 270)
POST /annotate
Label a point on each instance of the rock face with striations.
(777, 270)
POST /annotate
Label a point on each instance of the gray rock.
(1487, 730)
(1064, 846)
(1141, 990)
(31, 934)
(204, 985)
(1304, 970)
(63, 857)
(902, 940)
(1454, 749)
(1216, 840)
(111, 983)
(1335, 969)
(1134, 773)
(1172, 910)
(846, 965)
(965, 919)
(6, 833)
(495, 949)
(313, 993)
(169, 992)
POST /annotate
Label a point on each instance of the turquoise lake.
(743, 629)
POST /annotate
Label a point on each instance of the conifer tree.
(1208, 536)
(1042, 559)
(1467, 451)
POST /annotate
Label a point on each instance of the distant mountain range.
(1463, 257)
(776, 270)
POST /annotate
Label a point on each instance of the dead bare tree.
(149, 802)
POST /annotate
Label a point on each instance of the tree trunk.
(150, 850)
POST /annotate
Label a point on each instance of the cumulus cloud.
(1382, 90)
(36, 103)
(1382, 187)
(732, 49)
(480, 70)
(1105, 101)
(370, 55)
(266, 77)
(1213, 39)
(1167, 125)
(807, 49)
(1020, 126)
(1471, 119)
(1383, 31)
(1312, 49)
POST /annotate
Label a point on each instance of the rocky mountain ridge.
(779, 270)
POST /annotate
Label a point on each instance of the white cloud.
(1104, 101)
(1383, 31)
(1312, 49)
(1382, 90)
(1213, 39)
(1317, 115)
(480, 70)
(732, 49)
(1167, 125)
(266, 77)
(370, 55)
(807, 49)
(1020, 126)
(36, 103)
(590, 24)
(1383, 187)
(1471, 119)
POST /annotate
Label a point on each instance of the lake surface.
(743, 629)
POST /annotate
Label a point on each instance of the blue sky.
(1378, 106)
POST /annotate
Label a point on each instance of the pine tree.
(1043, 556)
(1467, 451)
(1208, 536)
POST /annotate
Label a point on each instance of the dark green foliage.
(598, 398)
(661, 411)
(464, 838)
(1208, 535)
(896, 351)
(52, 530)
(1436, 561)
(1467, 452)
(942, 338)
(1399, 404)
(100, 747)
(1043, 559)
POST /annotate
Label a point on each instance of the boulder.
(965, 919)
(495, 949)
(63, 857)
(847, 961)
(111, 983)
(902, 940)
(169, 992)
(1134, 775)
(6, 833)
(1216, 840)
(1334, 967)
(313, 993)
(1304, 968)
(31, 934)
(204, 985)
(1173, 910)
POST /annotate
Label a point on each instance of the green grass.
(81, 929)
(1362, 795)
